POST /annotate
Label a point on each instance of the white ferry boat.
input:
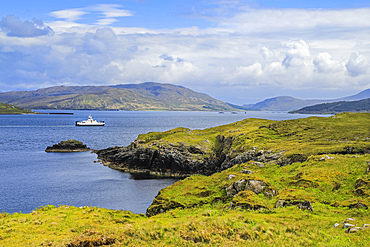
(90, 122)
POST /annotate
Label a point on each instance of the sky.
(238, 51)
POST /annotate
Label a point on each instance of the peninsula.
(7, 109)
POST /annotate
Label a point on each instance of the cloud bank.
(266, 52)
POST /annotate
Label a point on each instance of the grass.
(6, 109)
(197, 211)
(300, 138)
(207, 225)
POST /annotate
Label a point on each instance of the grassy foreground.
(200, 211)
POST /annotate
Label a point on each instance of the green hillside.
(325, 164)
(7, 109)
(131, 97)
(337, 107)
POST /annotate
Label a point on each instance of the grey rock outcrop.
(178, 160)
(255, 186)
(68, 147)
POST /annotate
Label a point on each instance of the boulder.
(259, 164)
(68, 147)
(306, 205)
(255, 186)
(235, 188)
(352, 230)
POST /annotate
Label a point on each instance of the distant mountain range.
(336, 107)
(287, 103)
(131, 97)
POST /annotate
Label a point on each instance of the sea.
(31, 178)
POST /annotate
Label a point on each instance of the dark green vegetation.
(7, 109)
(286, 103)
(326, 162)
(131, 97)
(337, 107)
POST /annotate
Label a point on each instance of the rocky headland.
(182, 152)
(68, 146)
(178, 161)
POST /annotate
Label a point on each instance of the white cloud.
(325, 64)
(298, 54)
(109, 12)
(292, 20)
(14, 27)
(357, 65)
(70, 15)
(278, 50)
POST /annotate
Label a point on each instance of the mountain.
(287, 103)
(361, 95)
(130, 97)
(281, 103)
(337, 107)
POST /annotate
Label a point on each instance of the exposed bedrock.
(178, 160)
(68, 146)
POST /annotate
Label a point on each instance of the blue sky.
(237, 51)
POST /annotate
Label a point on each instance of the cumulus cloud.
(297, 55)
(325, 64)
(14, 27)
(357, 65)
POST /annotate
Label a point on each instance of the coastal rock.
(68, 147)
(177, 160)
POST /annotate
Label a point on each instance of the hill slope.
(281, 103)
(336, 107)
(287, 103)
(6, 109)
(145, 96)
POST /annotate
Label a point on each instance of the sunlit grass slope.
(7, 109)
(204, 211)
(298, 139)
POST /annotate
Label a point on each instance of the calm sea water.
(30, 177)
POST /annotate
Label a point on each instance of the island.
(68, 146)
(255, 182)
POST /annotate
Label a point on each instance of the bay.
(30, 177)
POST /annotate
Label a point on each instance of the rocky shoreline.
(178, 161)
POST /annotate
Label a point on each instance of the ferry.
(90, 122)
